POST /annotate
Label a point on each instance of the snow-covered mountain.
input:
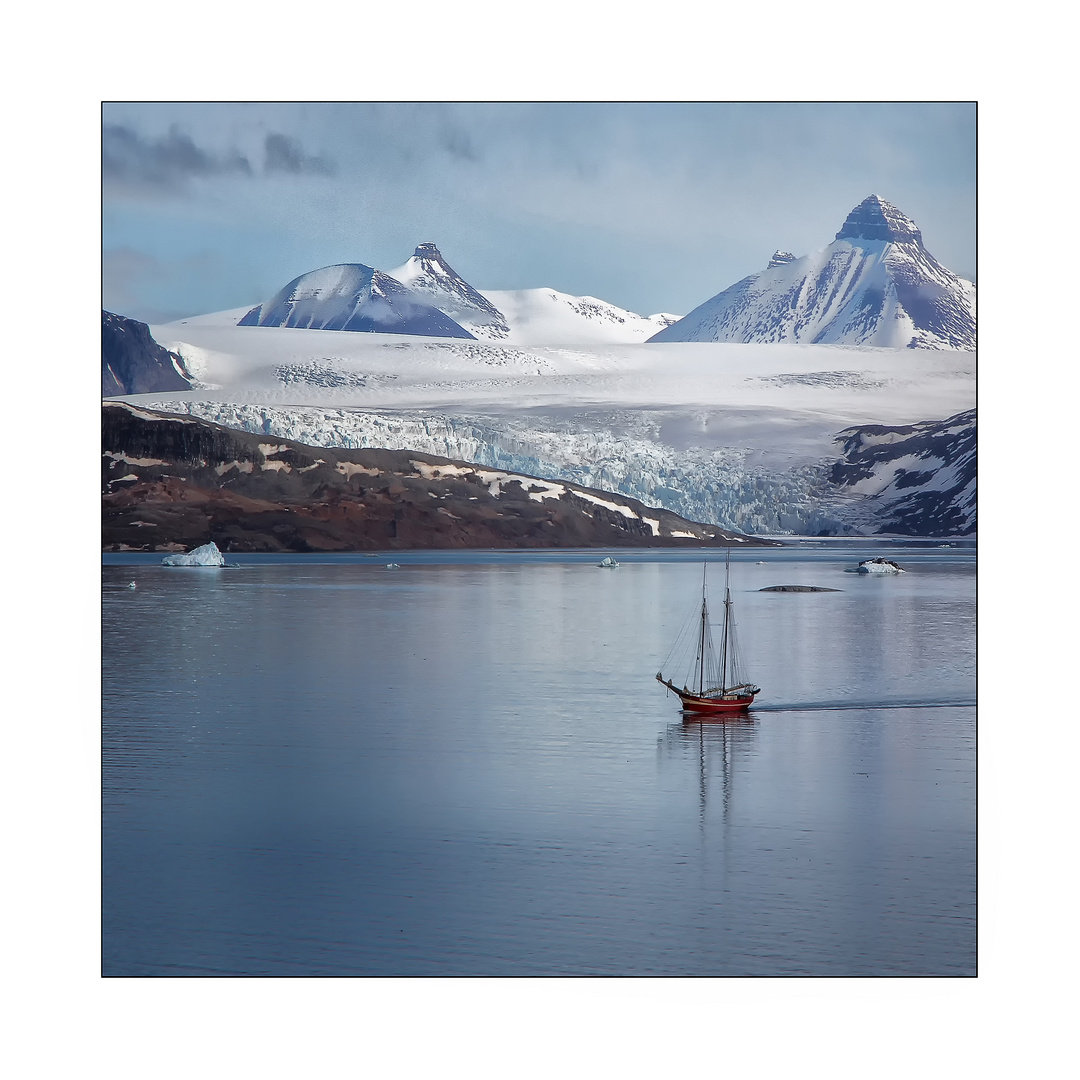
(915, 479)
(132, 362)
(522, 316)
(351, 296)
(434, 281)
(426, 296)
(741, 434)
(549, 317)
(875, 284)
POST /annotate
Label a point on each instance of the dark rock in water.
(132, 362)
(797, 588)
(173, 482)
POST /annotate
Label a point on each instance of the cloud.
(285, 154)
(166, 164)
(458, 144)
(123, 270)
(145, 287)
(131, 162)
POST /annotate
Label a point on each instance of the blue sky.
(655, 207)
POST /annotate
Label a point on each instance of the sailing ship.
(714, 684)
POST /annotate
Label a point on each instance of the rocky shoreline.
(170, 483)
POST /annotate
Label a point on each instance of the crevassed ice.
(715, 486)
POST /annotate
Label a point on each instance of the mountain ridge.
(132, 362)
(353, 297)
(875, 284)
(429, 275)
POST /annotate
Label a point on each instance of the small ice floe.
(608, 563)
(393, 566)
(876, 566)
(207, 555)
(131, 584)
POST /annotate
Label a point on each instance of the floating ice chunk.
(878, 566)
(207, 555)
(609, 563)
(393, 566)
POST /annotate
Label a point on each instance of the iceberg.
(878, 566)
(207, 555)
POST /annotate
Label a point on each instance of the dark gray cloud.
(165, 164)
(459, 144)
(285, 154)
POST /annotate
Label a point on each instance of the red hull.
(700, 704)
(713, 705)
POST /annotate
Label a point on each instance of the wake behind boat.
(713, 684)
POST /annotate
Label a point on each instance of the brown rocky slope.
(173, 482)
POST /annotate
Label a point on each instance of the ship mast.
(704, 630)
(727, 621)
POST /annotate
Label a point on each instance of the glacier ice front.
(207, 555)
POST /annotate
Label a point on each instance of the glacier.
(830, 394)
(745, 437)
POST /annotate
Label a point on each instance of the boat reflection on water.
(719, 744)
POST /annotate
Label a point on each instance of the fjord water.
(320, 766)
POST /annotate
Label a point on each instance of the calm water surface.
(464, 767)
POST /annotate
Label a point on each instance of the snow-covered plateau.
(744, 436)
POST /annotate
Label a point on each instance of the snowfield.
(547, 315)
(737, 435)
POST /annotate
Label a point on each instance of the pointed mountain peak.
(430, 260)
(876, 219)
(874, 285)
(780, 258)
(427, 262)
(429, 276)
